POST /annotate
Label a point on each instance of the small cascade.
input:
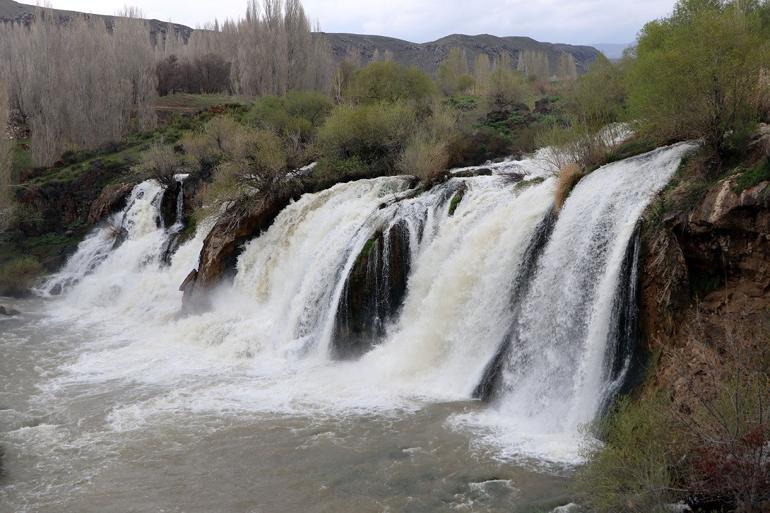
(376, 285)
(295, 271)
(172, 213)
(137, 218)
(373, 292)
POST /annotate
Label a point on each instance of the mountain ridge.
(426, 56)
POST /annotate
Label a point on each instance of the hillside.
(14, 12)
(426, 56)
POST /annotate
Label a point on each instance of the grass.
(18, 274)
(456, 199)
(184, 102)
(753, 176)
(569, 177)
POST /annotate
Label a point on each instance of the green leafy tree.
(700, 74)
(389, 81)
(453, 74)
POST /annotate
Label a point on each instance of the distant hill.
(14, 12)
(613, 51)
(426, 56)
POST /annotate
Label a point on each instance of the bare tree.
(5, 153)
(79, 84)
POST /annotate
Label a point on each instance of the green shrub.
(632, 470)
(700, 74)
(365, 140)
(477, 145)
(16, 276)
(389, 81)
(754, 176)
(297, 114)
(161, 162)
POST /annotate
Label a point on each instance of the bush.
(297, 114)
(296, 117)
(632, 471)
(254, 160)
(425, 158)
(390, 82)
(569, 176)
(700, 74)
(730, 434)
(575, 145)
(18, 275)
(365, 140)
(506, 89)
(475, 146)
(754, 176)
(162, 163)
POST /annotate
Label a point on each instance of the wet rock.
(111, 199)
(168, 203)
(241, 222)
(470, 173)
(8, 312)
(705, 291)
(373, 293)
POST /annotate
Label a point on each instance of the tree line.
(81, 82)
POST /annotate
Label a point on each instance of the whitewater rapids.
(112, 339)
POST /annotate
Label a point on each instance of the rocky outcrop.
(169, 203)
(112, 198)
(373, 293)
(429, 56)
(706, 288)
(241, 222)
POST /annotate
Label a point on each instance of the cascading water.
(376, 295)
(139, 217)
(562, 363)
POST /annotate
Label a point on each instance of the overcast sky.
(564, 21)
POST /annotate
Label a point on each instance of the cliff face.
(14, 12)
(706, 289)
(428, 56)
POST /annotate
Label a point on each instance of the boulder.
(242, 221)
(8, 312)
(374, 292)
(112, 198)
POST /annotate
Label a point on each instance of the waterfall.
(138, 218)
(374, 292)
(563, 362)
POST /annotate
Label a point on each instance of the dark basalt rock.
(373, 293)
(242, 221)
(470, 173)
(8, 312)
(111, 199)
(169, 202)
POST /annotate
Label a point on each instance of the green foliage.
(472, 146)
(17, 275)
(453, 74)
(297, 114)
(160, 162)
(365, 140)
(598, 98)
(753, 176)
(390, 82)
(456, 199)
(632, 470)
(506, 88)
(699, 74)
